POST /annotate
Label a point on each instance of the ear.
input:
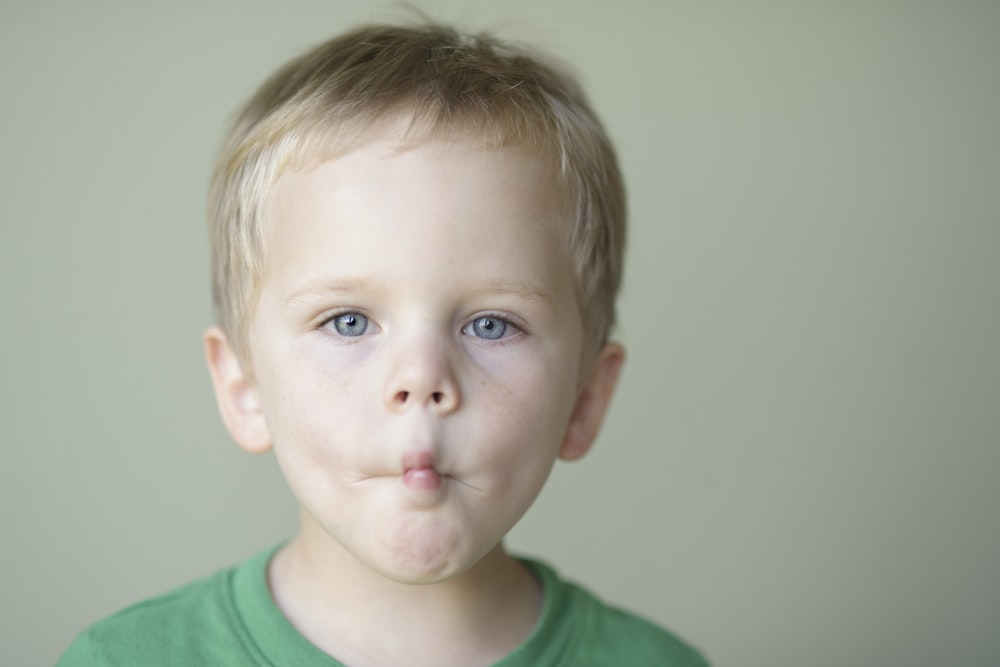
(235, 394)
(592, 403)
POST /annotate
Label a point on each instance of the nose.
(422, 376)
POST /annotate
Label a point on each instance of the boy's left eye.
(488, 327)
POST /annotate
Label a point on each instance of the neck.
(362, 618)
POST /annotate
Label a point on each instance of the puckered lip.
(422, 479)
(419, 471)
(417, 460)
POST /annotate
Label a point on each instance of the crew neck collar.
(279, 643)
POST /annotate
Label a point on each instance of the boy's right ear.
(236, 394)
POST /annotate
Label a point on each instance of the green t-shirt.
(230, 619)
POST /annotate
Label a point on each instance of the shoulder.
(598, 634)
(194, 624)
(615, 636)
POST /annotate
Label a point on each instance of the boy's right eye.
(348, 324)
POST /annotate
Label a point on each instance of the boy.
(417, 243)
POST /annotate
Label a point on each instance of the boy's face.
(416, 351)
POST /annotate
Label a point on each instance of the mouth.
(419, 472)
(425, 479)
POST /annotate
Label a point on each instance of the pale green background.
(802, 465)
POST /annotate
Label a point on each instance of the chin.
(423, 559)
(420, 566)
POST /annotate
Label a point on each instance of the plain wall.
(801, 464)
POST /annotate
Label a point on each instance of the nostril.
(402, 396)
(437, 396)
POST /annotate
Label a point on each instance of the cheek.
(517, 438)
(528, 411)
(314, 412)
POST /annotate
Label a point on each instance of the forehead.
(379, 204)
(401, 149)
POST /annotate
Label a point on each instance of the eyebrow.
(522, 290)
(326, 287)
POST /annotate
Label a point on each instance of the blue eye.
(349, 324)
(488, 327)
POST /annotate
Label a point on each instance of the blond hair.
(446, 81)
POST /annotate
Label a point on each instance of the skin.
(417, 367)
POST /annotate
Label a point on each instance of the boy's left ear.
(592, 403)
